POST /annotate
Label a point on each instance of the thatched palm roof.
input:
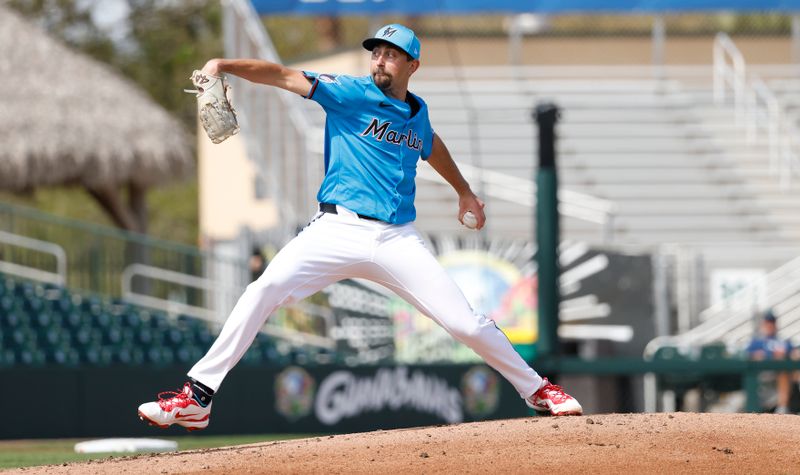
(64, 118)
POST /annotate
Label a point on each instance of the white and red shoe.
(552, 398)
(176, 408)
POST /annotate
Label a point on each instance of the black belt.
(331, 208)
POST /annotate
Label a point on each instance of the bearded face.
(382, 78)
(388, 65)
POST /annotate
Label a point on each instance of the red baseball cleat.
(552, 398)
(176, 408)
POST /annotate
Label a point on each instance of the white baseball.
(469, 220)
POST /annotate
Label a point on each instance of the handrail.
(97, 254)
(211, 314)
(729, 71)
(99, 230)
(523, 191)
(789, 162)
(781, 132)
(59, 277)
(756, 108)
(765, 113)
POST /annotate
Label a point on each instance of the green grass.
(25, 453)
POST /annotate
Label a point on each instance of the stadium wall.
(102, 402)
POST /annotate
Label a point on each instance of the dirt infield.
(610, 443)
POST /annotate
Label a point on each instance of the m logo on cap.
(388, 32)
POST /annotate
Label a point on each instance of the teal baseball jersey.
(372, 145)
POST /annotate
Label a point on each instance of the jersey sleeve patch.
(335, 93)
(329, 78)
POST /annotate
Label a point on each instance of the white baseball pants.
(342, 246)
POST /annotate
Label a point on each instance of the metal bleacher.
(653, 143)
(47, 324)
(754, 113)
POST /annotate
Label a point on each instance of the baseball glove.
(214, 106)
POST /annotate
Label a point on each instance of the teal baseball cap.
(398, 35)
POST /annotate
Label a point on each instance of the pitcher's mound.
(610, 443)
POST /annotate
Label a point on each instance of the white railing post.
(756, 108)
(764, 113)
(781, 133)
(719, 72)
(773, 135)
(59, 277)
(785, 168)
(733, 75)
(751, 134)
(739, 82)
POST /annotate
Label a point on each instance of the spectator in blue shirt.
(768, 346)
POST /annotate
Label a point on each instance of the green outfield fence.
(95, 257)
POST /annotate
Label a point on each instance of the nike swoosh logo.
(184, 416)
(385, 104)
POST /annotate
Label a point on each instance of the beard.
(382, 79)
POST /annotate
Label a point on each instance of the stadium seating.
(46, 325)
(678, 382)
(671, 160)
(683, 381)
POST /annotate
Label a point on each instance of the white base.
(125, 445)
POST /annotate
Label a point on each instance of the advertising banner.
(359, 399)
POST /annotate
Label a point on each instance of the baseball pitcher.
(375, 133)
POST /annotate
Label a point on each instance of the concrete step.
(649, 159)
(694, 207)
(777, 201)
(522, 116)
(787, 219)
(661, 191)
(490, 86)
(783, 85)
(589, 159)
(584, 176)
(627, 176)
(568, 131)
(589, 145)
(695, 223)
(566, 102)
